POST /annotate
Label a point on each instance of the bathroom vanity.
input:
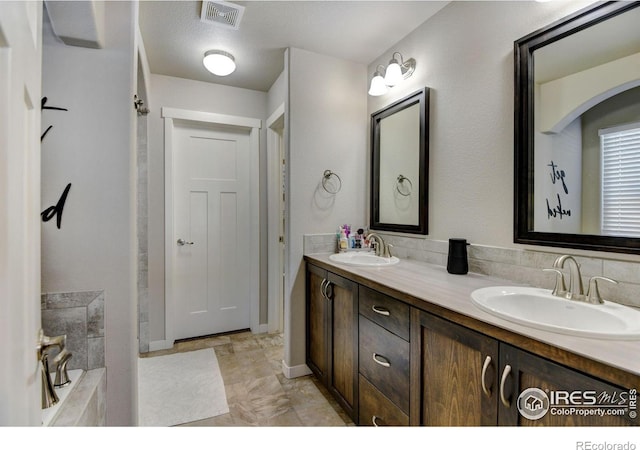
(404, 345)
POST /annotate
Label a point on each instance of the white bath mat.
(180, 388)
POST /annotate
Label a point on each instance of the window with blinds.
(620, 148)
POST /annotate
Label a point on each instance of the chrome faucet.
(576, 290)
(382, 249)
(593, 294)
(45, 345)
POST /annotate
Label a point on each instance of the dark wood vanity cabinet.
(388, 362)
(531, 371)
(463, 378)
(332, 334)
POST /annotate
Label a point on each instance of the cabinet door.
(574, 399)
(453, 374)
(343, 341)
(317, 323)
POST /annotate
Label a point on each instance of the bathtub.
(50, 414)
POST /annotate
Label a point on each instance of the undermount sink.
(537, 308)
(364, 259)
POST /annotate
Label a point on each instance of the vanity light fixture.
(378, 85)
(219, 63)
(397, 71)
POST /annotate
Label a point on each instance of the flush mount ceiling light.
(219, 63)
(397, 71)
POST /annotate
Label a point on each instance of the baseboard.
(160, 345)
(295, 371)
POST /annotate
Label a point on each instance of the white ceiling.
(175, 39)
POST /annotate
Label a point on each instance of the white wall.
(327, 130)
(197, 96)
(465, 55)
(91, 147)
(278, 93)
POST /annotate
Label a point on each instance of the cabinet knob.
(503, 381)
(374, 421)
(384, 362)
(381, 311)
(323, 288)
(485, 366)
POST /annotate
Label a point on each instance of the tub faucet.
(382, 249)
(576, 290)
(49, 396)
(45, 345)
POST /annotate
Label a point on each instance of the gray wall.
(327, 130)
(91, 146)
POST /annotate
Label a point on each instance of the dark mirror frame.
(420, 97)
(524, 133)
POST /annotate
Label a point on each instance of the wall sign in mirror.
(577, 110)
(400, 165)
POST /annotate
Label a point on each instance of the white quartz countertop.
(433, 284)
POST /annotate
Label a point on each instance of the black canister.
(457, 263)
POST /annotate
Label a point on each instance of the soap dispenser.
(457, 262)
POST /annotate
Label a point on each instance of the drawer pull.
(384, 362)
(485, 366)
(503, 381)
(374, 421)
(322, 287)
(381, 311)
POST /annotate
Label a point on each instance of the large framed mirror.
(400, 165)
(577, 131)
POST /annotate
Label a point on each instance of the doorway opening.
(276, 218)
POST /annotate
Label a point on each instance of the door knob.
(183, 242)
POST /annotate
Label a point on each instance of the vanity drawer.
(386, 311)
(376, 409)
(384, 360)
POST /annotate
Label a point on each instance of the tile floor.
(258, 393)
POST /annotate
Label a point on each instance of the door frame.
(20, 206)
(170, 116)
(275, 296)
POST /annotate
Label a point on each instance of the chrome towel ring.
(329, 185)
(405, 191)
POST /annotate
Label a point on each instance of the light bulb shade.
(219, 63)
(393, 75)
(378, 86)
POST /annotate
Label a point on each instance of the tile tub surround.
(522, 266)
(85, 406)
(79, 315)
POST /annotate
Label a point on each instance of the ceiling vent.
(223, 14)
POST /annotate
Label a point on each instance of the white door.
(20, 91)
(212, 228)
